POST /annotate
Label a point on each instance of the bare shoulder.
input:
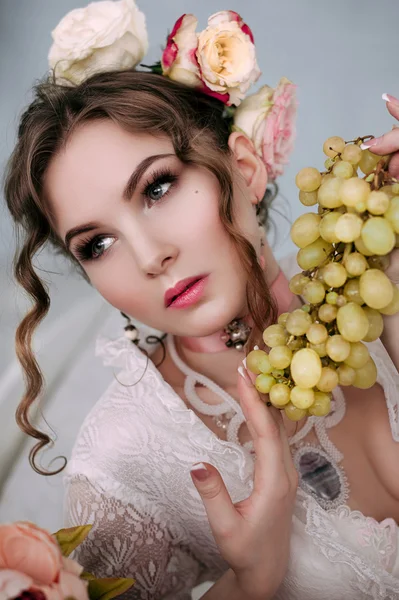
(379, 445)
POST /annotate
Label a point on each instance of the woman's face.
(137, 243)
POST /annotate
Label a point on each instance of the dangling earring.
(131, 332)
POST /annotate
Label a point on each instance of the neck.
(210, 356)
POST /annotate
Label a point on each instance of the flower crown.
(219, 61)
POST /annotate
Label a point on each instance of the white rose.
(250, 116)
(226, 56)
(103, 36)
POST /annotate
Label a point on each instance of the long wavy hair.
(137, 102)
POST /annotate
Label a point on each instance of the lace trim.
(134, 364)
(388, 379)
(372, 578)
(229, 403)
(320, 426)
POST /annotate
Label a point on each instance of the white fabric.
(129, 476)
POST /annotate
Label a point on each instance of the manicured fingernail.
(244, 374)
(200, 472)
(256, 347)
(244, 362)
(389, 98)
(369, 144)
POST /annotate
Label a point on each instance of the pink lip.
(186, 292)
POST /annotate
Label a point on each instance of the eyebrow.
(126, 194)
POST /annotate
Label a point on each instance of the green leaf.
(155, 68)
(71, 538)
(87, 576)
(105, 589)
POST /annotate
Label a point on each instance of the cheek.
(120, 284)
(246, 219)
(194, 217)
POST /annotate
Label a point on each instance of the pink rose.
(31, 560)
(279, 134)
(268, 119)
(179, 60)
(226, 57)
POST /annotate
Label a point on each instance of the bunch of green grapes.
(344, 249)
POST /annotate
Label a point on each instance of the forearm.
(228, 588)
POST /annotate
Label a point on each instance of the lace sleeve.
(130, 540)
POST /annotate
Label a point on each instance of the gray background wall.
(343, 55)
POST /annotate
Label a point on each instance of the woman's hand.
(253, 535)
(389, 142)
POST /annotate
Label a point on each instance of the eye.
(159, 186)
(93, 248)
(100, 245)
(157, 190)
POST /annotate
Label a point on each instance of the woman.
(140, 181)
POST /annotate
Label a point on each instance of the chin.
(212, 316)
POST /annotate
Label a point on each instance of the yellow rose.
(226, 56)
(103, 36)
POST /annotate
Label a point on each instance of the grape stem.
(360, 139)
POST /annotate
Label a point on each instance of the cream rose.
(268, 119)
(226, 56)
(179, 61)
(103, 36)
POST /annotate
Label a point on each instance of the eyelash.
(84, 250)
(159, 177)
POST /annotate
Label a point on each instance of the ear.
(250, 165)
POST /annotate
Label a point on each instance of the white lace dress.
(129, 476)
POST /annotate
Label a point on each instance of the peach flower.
(13, 583)
(31, 560)
(226, 56)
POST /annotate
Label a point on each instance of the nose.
(153, 255)
(157, 264)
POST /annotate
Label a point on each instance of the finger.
(394, 166)
(287, 455)
(269, 464)
(277, 416)
(393, 269)
(392, 105)
(386, 144)
(222, 515)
